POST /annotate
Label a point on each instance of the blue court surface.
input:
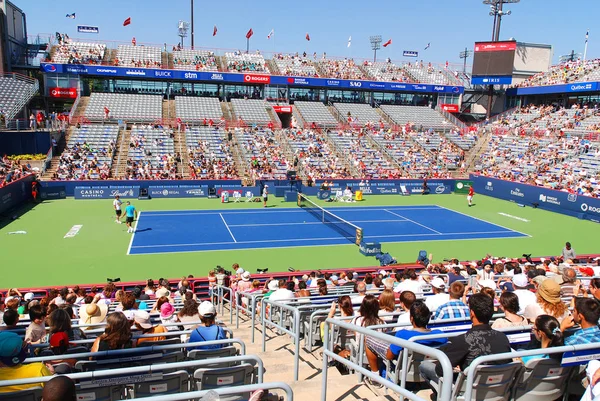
(214, 230)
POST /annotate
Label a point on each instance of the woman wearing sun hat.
(144, 325)
(168, 316)
(548, 303)
(93, 314)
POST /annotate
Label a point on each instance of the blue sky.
(449, 26)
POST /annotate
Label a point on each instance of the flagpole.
(247, 45)
(586, 45)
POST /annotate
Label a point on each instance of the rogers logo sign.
(70, 93)
(257, 79)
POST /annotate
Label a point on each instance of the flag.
(307, 37)
(72, 16)
(215, 30)
(127, 21)
(386, 44)
(249, 34)
(428, 46)
(271, 34)
(587, 34)
(349, 41)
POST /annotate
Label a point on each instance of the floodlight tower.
(375, 45)
(465, 55)
(182, 30)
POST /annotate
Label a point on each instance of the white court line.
(315, 222)
(134, 230)
(287, 210)
(412, 221)
(488, 222)
(323, 245)
(329, 239)
(227, 227)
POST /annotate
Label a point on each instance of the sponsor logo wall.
(107, 192)
(179, 191)
(575, 205)
(15, 193)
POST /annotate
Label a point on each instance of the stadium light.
(465, 55)
(375, 45)
(496, 11)
(570, 57)
(182, 30)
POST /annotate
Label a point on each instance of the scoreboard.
(493, 63)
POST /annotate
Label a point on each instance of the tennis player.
(265, 195)
(130, 214)
(470, 196)
(117, 206)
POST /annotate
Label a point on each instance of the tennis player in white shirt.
(117, 206)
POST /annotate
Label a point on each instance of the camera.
(113, 280)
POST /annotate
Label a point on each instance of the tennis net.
(350, 231)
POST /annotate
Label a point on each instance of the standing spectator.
(209, 331)
(13, 351)
(568, 253)
(480, 340)
(455, 308)
(32, 125)
(586, 314)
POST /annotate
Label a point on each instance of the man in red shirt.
(470, 196)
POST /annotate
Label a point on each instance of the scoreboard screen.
(494, 59)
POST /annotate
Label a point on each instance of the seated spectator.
(117, 334)
(548, 303)
(526, 297)
(480, 340)
(209, 330)
(586, 314)
(566, 280)
(509, 302)
(142, 322)
(387, 305)
(455, 308)
(439, 296)
(36, 331)
(13, 351)
(11, 319)
(168, 316)
(283, 293)
(92, 314)
(407, 299)
(60, 388)
(368, 313)
(546, 330)
(361, 292)
(419, 318)
(60, 321)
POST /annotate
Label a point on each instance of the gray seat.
(492, 383)
(171, 383)
(32, 394)
(201, 354)
(542, 379)
(99, 392)
(208, 379)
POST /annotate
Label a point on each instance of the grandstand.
(196, 109)
(386, 71)
(138, 56)
(251, 111)
(79, 53)
(129, 107)
(417, 116)
(422, 73)
(315, 112)
(151, 154)
(264, 158)
(360, 114)
(341, 69)
(200, 60)
(15, 92)
(210, 157)
(246, 63)
(295, 65)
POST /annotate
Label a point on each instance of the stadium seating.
(132, 108)
(151, 154)
(89, 153)
(199, 60)
(417, 116)
(341, 69)
(264, 157)
(386, 71)
(295, 65)
(210, 157)
(250, 63)
(69, 52)
(138, 56)
(15, 93)
(358, 114)
(407, 153)
(195, 109)
(431, 74)
(316, 112)
(570, 71)
(251, 111)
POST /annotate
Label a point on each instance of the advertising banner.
(410, 53)
(178, 191)
(51, 193)
(88, 29)
(575, 205)
(565, 88)
(484, 80)
(462, 186)
(15, 193)
(495, 46)
(107, 192)
(450, 108)
(62, 93)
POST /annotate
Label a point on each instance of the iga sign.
(63, 93)
(450, 108)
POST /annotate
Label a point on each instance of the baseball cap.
(166, 310)
(206, 308)
(162, 292)
(142, 318)
(539, 279)
(520, 280)
(334, 278)
(273, 285)
(11, 348)
(28, 296)
(246, 276)
(487, 284)
(383, 272)
(240, 270)
(507, 286)
(438, 283)
(59, 339)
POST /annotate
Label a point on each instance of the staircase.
(240, 160)
(273, 116)
(278, 361)
(168, 109)
(119, 165)
(221, 63)
(79, 112)
(273, 67)
(228, 112)
(164, 60)
(480, 147)
(337, 114)
(170, 63)
(61, 145)
(322, 73)
(180, 146)
(110, 55)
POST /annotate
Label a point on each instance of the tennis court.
(212, 230)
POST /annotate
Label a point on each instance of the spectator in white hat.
(526, 297)
(142, 322)
(439, 297)
(209, 330)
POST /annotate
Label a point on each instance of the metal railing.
(250, 309)
(328, 354)
(221, 290)
(289, 394)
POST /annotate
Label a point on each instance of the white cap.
(520, 280)
(142, 318)
(206, 308)
(240, 270)
(29, 296)
(273, 285)
(438, 283)
(488, 284)
(334, 278)
(383, 272)
(246, 276)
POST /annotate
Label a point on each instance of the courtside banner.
(53, 193)
(387, 187)
(15, 193)
(575, 205)
(179, 191)
(107, 192)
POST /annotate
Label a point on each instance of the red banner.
(257, 79)
(450, 108)
(282, 109)
(495, 46)
(63, 93)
